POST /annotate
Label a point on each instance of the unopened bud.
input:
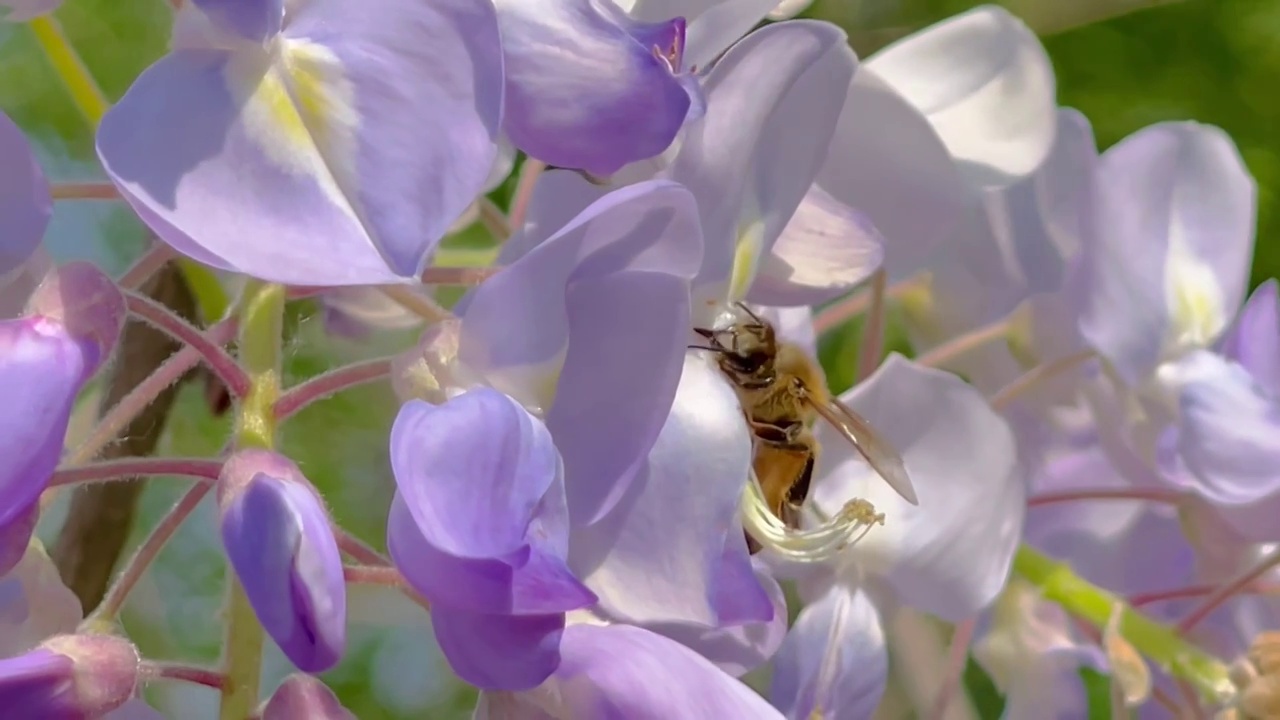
(83, 300)
(70, 677)
(279, 542)
(302, 697)
(1129, 672)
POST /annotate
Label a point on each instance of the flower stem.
(75, 77)
(1158, 495)
(135, 467)
(1229, 590)
(1160, 643)
(322, 386)
(143, 394)
(261, 337)
(953, 675)
(1037, 376)
(838, 313)
(465, 276)
(186, 673)
(493, 219)
(146, 554)
(524, 192)
(166, 321)
(84, 191)
(416, 303)
(144, 267)
(947, 352)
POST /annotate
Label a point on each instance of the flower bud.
(73, 320)
(70, 677)
(278, 539)
(302, 697)
(25, 204)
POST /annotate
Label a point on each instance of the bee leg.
(797, 494)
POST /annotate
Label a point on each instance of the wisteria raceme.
(623, 234)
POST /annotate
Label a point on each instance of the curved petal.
(887, 160)
(1229, 439)
(1254, 341)
(833, 663)
(986, 84)
(825, 250)
(34, 603)
(623, 262)
(563, 110)
(657, 556)
(479, 522)
(256, 21)
(772, 104)
(558, 197)
(25, 205)
(617, 671)
(290, 165)
(719, 26)
(950, 554)
(498, 652)
(1169, 245)
(303, 697)
(739, 649)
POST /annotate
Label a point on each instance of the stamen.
(813, 545)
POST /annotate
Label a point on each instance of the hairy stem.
(356, 548)
(215, 357)
(200, 468)
(1160, 643)
(458, 275)
(186, 673)
(416, 303)
(322, 386)
(948, 352)
(139, 393)
(1228, 590)
(261, 338)
(144, 267)
(1158, 495)
(146, 554)
(83, 191)
(1037, 376)
(953, 676)
(524, 191)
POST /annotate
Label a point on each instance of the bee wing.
(879, 453)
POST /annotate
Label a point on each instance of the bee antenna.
(748, 311)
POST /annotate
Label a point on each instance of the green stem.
(261, 332)
(1160, 643)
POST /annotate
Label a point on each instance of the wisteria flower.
(948, 556)
(315, 143)
(25, 205)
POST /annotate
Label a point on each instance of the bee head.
(747, 350)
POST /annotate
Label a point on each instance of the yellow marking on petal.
(1195, 301)
(746, 259)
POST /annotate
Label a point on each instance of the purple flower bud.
(277, 537)
(72, 323)
(302, 697)
(69, 677)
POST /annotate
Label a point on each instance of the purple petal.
(1229, 439)
(479, 522)
(39, 684)
(302, 697)
(558, 197)
(277, 537)
(833, 663)
(216, 155)
(563, 110)
(949, 555)
(15, 536)
(825, 250)
(624, 261)
(25, 205)
(659, 554)
(42, 368)
(739, 649)
(621, 672)
(718, 26)
(1254, 341)
(986, 85)
(887, 160)
(254, 20)
(17, 285)
(1169, 245)
(772, 105)
(497, 652)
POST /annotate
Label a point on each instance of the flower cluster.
(622, 485)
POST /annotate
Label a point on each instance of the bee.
(783, 394)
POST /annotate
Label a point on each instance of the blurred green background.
(1124, 63)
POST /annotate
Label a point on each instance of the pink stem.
(837, 314)
(386, 576)
(1159, 495)
(954, 672)
(214, 355)
(1037, 376)
(458, 275)
(1227, 591)
(1195, 591)
(493, 219)
(186, 673)
(144, 394)
(322, 386)
(873, 328)
(356, 548)
(133, 467)
(146, 266)
(947, 352)
(148, 551)
(524, 192)
(84, 191)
